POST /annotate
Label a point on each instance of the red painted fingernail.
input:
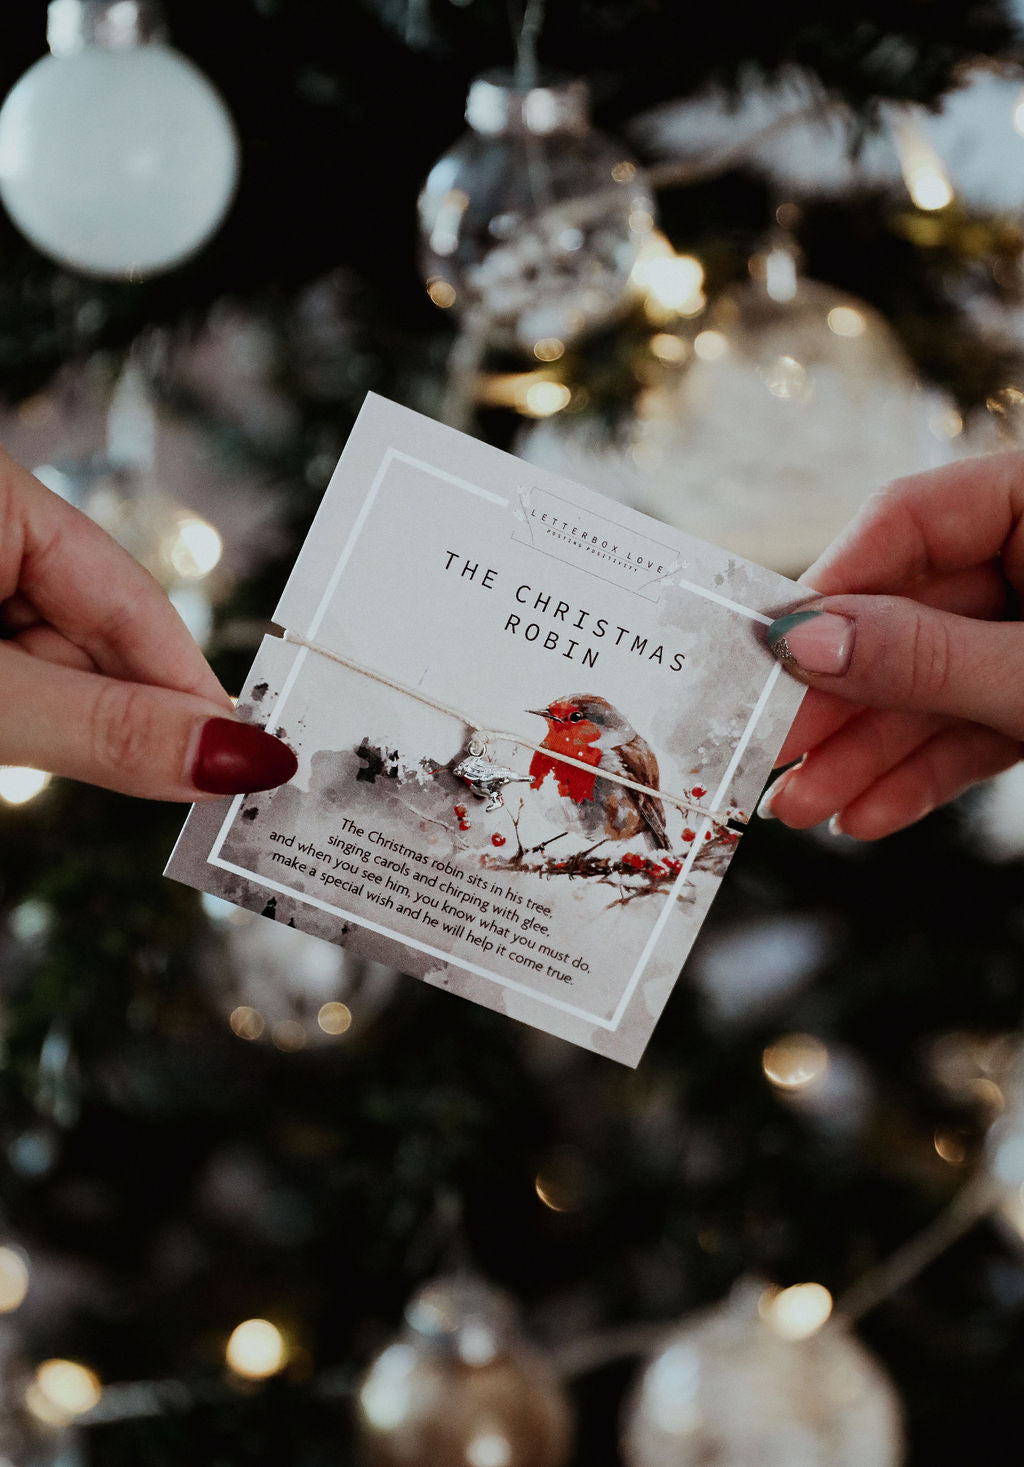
(234, 758)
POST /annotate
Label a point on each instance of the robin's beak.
(540, 712)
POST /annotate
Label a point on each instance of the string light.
(796, 1313)
(795, 1061)
(256, 1349)
(246, 1022)
(19, 785)
(923, 171)
(13, 1280)
(710, 346)
(62, 1390)
(671, 284)
(335, 1018)
(195, 548)
(846, 321)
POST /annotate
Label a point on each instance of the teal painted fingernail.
(813, 641)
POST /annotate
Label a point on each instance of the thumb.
(891, 652)
(140, 740)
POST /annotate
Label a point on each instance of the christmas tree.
(263, 1200)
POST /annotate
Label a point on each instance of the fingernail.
(813, 641)
(234, 758)
(764, 804)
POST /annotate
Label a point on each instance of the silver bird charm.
(487, 780)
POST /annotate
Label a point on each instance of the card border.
(551, 1000)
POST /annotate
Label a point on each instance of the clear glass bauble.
(786, 414)
(117, 161)
(460, 1388)
(533, 220)
(725, 1388)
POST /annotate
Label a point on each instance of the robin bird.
(585, 726)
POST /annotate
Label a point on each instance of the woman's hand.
(99, 679)
(913, 649)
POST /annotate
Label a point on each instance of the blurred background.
(261, 1202)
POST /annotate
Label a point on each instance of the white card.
(478, 593)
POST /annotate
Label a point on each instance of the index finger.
(960, 515)
(83, 584)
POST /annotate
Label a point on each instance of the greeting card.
(530, 723)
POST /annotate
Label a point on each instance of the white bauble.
(725, 1388)
(116, 162)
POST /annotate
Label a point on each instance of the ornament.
(787, 408)
(459, 1388)
(486, 779)
(275, 983)
(733, 1385)
(117, 156)
(117, 490)
(533, 221)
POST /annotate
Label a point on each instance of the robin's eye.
(575, 717)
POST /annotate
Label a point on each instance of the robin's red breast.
(587, 727)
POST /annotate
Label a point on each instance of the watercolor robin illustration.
(587, 727)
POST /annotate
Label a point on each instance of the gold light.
(247, 1023)
(795, 1061)
(923, 171)
(441, 292)
(13, 1280)
(846, 321)
(796, 1313)
(19, 785)
(288, 1036)
(62, 1390)
(549, 349)
(335, 1018)
(195, 548)
(710, 346)
(544, 399)
(256, 1349)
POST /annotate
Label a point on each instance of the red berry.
(698, 792)
(674, 866)
(633, 860)
(707, 835)
(465, 824)
(460, 811)
(497, 839)
(689, 834)
(657, 871)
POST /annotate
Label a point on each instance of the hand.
(913, 651)
(100, 679)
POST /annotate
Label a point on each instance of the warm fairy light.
(489, 1449)
(796, 1313)
(846, 321)
(923, 172)
(441, 292)
(335, 1018)
(795, 1061)
(256, 1349)
(18, 785)
(63, 1389)
(549, 349)
(195, 548)
(671, 283)
(951, 1146)
(544, 399)
(549, 1194)
(710, 345)
(13, 1280)
(669, 349)
(247, 1023)
(624, 172)
(288, 1036)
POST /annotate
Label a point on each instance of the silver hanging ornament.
(460, 1388)
(532, 221)
(726, 1387)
